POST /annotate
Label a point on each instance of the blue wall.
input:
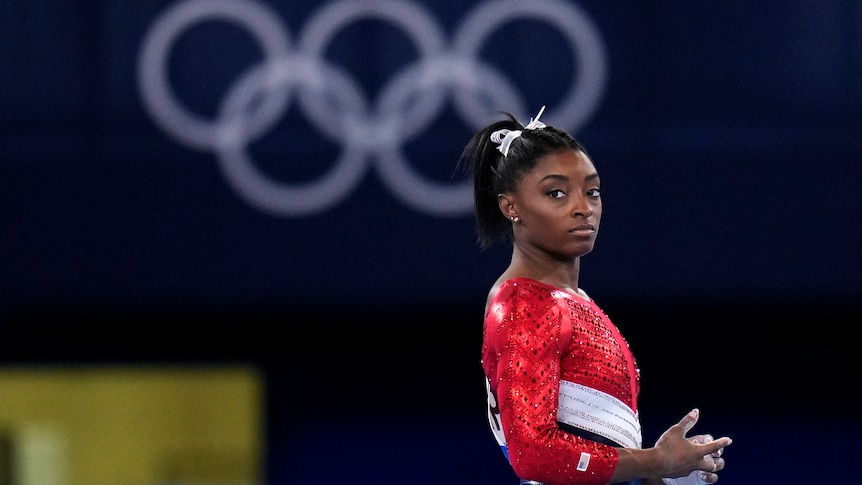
(263, 165)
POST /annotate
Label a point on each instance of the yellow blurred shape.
(131, 425)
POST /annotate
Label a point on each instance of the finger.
(708, 477)
(708, 464)
(716, 446)
(706, 438)
(689, 419)
(711, 465)
(701, 438)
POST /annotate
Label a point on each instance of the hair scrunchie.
(505, 137)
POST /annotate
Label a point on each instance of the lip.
(583, 230)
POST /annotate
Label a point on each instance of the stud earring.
(516, 219)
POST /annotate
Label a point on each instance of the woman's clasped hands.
(694, 460)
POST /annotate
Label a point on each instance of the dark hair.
(494, 174)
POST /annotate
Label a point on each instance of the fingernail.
(702, 476)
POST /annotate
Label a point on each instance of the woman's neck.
(541, 267)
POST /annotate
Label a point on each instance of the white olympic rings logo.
(333, 102)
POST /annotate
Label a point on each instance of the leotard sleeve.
(525, 332)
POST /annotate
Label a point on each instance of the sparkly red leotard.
(535, 336)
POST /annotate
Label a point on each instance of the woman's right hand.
(697, 456)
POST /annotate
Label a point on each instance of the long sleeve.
(526, 333)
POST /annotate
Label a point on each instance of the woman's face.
(559, 205)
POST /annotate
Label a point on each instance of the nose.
(582, 208)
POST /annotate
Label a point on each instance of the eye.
(594, 193)
(556, 194)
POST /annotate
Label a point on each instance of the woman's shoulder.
(519, 301)
(520, 286)
(517, 283)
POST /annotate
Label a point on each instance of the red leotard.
(534, 336)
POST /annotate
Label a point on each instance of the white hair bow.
(506, 137)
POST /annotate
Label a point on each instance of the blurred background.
(237, 250)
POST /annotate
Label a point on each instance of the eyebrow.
(563, 178)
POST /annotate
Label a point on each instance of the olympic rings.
(332, 100)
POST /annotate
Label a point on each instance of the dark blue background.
(728, 137)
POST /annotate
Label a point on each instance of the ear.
(507, 205)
